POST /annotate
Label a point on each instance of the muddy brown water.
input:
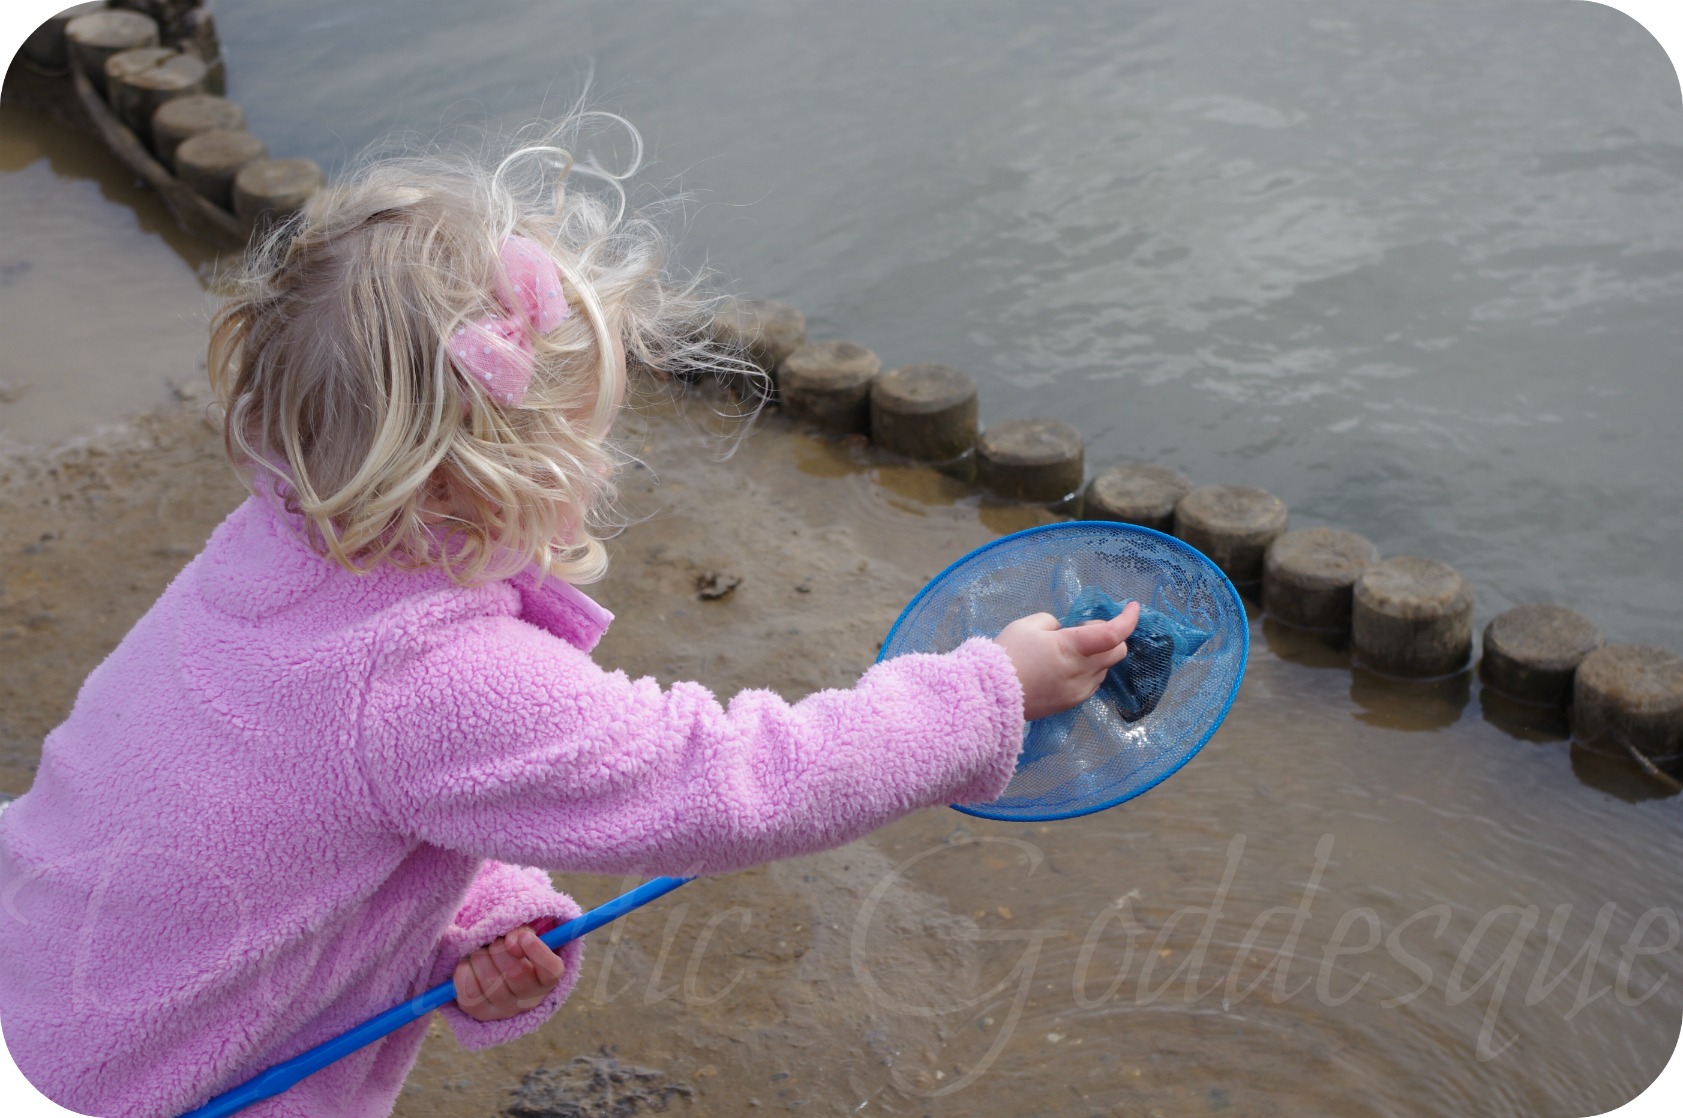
(1361, 898)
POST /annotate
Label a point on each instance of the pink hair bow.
(496, 353)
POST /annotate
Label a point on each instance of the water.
(101, 297)
(1417, 269)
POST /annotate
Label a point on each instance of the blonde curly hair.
(329, 358)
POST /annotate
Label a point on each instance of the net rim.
(1110, 527)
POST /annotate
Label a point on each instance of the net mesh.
(1095, 756)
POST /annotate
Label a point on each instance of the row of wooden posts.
(152, 80)
(1405, 616)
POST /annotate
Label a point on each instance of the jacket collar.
(560, 609)
(258, 563)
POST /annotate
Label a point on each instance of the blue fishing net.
(1155, 709)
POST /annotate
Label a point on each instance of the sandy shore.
(732, 995)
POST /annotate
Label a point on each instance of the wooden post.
(185, 117)
(272, 190)
(1412, 617)
(141, 80)
(94, 38)
(926, 412)
(46, 46)
(1035, 460)
(1233, 525)
(209, 161)
(1140, 493)
(765, 331)
(1309, 577)
(829, 383)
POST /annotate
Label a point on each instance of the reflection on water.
(1309, 649)
(1614, 771)
(1524, 721)
(831, 458)
(895, 487)
(1412, 705)
(101, 295)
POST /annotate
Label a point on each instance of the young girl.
(304, 786)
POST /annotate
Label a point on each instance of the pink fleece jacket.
(294, 796)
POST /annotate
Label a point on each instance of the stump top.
(155, 68)
(1413, 589)
(1321, 556)
(779, 324)
(1551, 638)
(1140, 484)
(198, 112)
(278, 178)
(913, 389)
(220, 148)
(1030, 442)
(1240, 509)
(1639, 679)
(112, 28)
(826, 363)
(137, 60)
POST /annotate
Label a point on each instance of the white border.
(1663, 19)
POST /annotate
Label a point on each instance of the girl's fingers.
(1089, 639)
(524, 987)
(514, 973)
(1102, 638)
(544, 960)
(515, 942)
(468, 993)
(1113, 657)
(1126, 621)
(490, 979)
(517, 974)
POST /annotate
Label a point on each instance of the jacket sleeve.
(494, 738)
(500, 899)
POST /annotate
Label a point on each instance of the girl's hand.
(1060, 668)
(507, 977)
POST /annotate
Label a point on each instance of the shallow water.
(101, 296)
(1416, 269)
